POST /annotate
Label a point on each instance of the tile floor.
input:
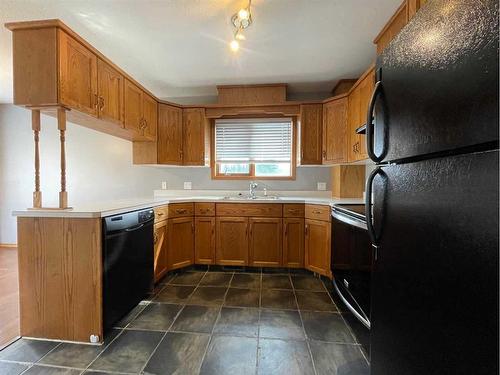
(199, 322)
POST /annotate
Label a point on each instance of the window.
(254, 148)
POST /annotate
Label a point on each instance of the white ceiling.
(179, 48)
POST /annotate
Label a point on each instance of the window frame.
(214, 167)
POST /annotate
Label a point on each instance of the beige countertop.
(104, 209)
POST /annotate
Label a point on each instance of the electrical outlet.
(187, 185)
(322, 186)
(164, 185)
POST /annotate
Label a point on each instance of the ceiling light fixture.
(240, 20)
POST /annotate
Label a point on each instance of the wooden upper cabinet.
(110, 93)
(180, 242)
(335, 137)
(150, 115)
(160, 250)
(169, 134)
(293, 242)
(265, 242)
(133, 107)
(318, 247)
(311, 124)
(204, 240)
(232, 241)
(193, 136)
(77, 75)
(393, 26)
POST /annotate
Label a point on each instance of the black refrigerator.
(432, 201)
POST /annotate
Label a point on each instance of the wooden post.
(35, 125)
(61, 125)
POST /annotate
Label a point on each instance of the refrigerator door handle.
(368, 205)
(370, 125)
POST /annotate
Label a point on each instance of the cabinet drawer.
(249, 209)
(204, 209)
(180, 210)
(293, 210)
(318, 212)
(161, 213)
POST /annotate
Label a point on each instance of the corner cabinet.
(193, 136)
(204, 233)
(160, 250)
(335, 131)
(180, 242)
(169, 135)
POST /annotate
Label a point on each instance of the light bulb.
(243, 14)
(239, 35)
(235, 46)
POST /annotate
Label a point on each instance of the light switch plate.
(322, 186)
(188, 185)
(164, 185)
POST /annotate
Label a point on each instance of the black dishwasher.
(127, 262)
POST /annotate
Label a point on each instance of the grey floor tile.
(129, 352)
(238, 321)
(242, 297)
(199, 319)
(208, 296)
(216, 279)
(246, 280)
(306, 282)
(156, 316)
(12, 368)
(276, 282)
(288, 357)
(72, 355)
(325, 326)
(178, 353)
(314, 301)
(338, 359)
(175, 294)
(230, 355)
(278, 299)
(46, 370)
(123, 322)
(281, 324)
(167, 279)
(24, 350)
(187, 278)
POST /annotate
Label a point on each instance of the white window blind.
(253, 140)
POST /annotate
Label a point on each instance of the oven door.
(352, 263)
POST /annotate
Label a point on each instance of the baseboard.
(8, 244)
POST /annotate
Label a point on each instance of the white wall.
(99, 168)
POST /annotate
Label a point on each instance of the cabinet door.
(160, 250)
(366, 90)
(180, 242)
(317, 247)
(311, 123)
(232, 241)
(133, 107)
(77, 75)
(204, 240)
(149, 115)
(293, 242)
(353, 123)
(193, 136)
(169, 135)
(110, 91)
(265, 242)
(335, 125)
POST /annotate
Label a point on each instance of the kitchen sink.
(249, 198)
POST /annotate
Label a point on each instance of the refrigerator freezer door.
(435, 281)
(439, 81)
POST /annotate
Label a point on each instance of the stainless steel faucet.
(253, 186)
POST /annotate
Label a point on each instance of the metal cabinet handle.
(307, 229)
(101, 103)
(368, 205)
(155, 240)
(160, 213)
(370, 125)
(96, 101)
(181, 210)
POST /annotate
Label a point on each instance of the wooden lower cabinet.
(293, 242)
(180, 242)
(160, 250)
(318, 246)
(204, 240)
(265, 242)
(232, 241)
